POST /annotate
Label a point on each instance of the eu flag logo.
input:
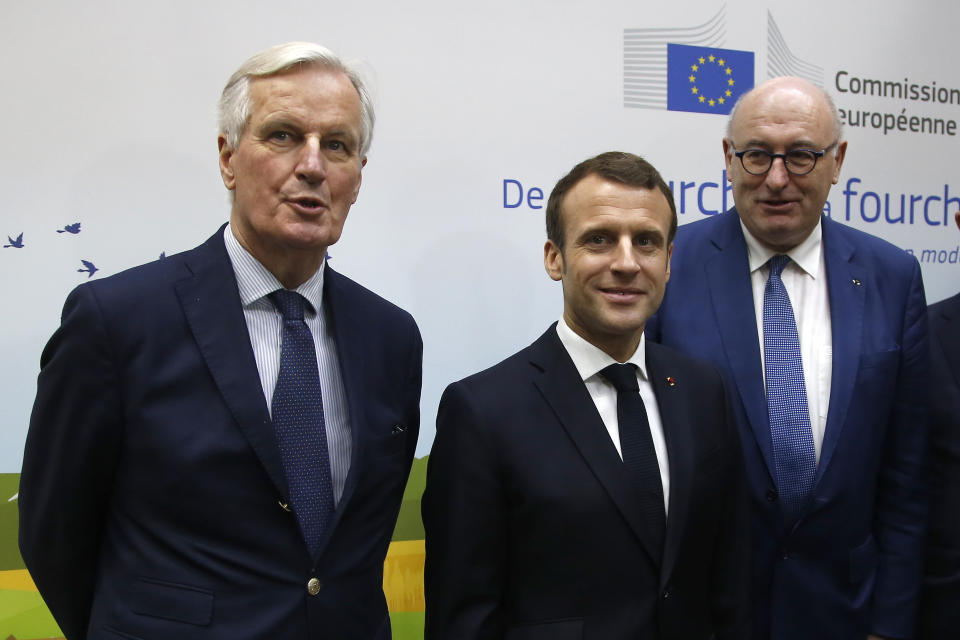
(706, 80)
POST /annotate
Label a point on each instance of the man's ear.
(226, 166)
(553, 260)
(841, 154)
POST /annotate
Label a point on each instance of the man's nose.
(311, 165)
(625, 258)
(777, 176)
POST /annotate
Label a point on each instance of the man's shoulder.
(347, 291)
(949, 307)
(660, 356)
(706, 227)
(884, 253)
(146, 281)
(525, 363)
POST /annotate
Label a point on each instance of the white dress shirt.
(589, 361)
(265, 324)
(805, 279)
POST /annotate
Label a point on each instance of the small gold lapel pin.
(856, 282)
(671, 381)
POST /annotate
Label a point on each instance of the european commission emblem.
(706, 79)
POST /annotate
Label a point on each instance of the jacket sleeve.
(71, 453)
(901, 504)
(464, 519)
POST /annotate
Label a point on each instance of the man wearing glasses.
(821, 332)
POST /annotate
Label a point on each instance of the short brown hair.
(616, 166)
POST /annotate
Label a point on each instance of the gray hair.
(831, 105)
(234, 108)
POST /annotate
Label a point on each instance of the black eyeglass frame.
(783, 156)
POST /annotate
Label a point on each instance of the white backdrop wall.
(108, 112)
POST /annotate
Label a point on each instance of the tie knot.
(622, 376)
(777, 264)
(290, 304)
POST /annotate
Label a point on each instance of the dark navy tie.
(636, 444)
(787, 408)
(298, 421)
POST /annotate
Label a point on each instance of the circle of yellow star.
(721, 63)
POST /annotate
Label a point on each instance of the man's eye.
(596, 239)
(281, 136)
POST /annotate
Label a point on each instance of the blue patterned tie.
(787, 409)
(298, 421)
(636, 443)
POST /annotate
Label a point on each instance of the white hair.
(234, 108)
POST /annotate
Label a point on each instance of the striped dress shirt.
(264, 323)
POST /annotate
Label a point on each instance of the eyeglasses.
(798, 162)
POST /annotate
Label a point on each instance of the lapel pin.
(671, 381)
(856, 282)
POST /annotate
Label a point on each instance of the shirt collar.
(255, 282)
(589, 359)
(806, 255)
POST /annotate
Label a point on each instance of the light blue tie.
(298, 422)
(787, 409)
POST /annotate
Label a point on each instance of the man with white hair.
(821, 331)
(220, 439)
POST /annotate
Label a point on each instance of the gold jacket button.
(313, 586)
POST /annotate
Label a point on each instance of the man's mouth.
(306, 204)
(621, 294)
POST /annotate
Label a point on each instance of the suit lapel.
(847, 284)
(728, 275)
(677, 430)
(564, 390)
(348, 329)
(211, 303)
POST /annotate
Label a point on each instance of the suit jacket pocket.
(880, 358)
(567, 629)
(171, 601)
(864, 560)
(392, 442)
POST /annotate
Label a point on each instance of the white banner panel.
(110, 143)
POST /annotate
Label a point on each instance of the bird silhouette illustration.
(90, 268)
(16, 244)
(70, 228)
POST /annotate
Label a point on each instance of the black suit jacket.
(152, 482)
(940, 602)
(533, 530)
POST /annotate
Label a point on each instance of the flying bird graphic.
(16, 244)
(70, 228)
(90, 268)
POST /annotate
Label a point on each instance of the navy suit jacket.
(150, 499)
(851, 564)
(535, 532)
(940, 604)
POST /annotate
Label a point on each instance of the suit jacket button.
(313, 586)
(771, 495)
(666, 594)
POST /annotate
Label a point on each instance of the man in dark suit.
(220, 439)
(590, 485)
(821, 333)
(940, 602)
